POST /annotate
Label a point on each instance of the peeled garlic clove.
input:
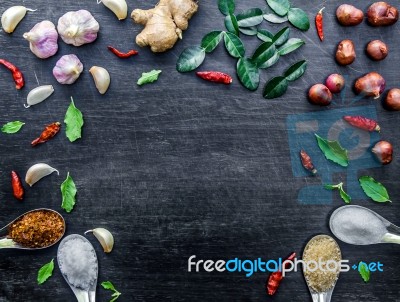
(101, 78)
(118, 7)
(105, 238)
(43, 39)
(12, 16)
(38, 95)
(37, 172)
(68, 69)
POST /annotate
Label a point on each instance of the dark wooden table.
(183, 167)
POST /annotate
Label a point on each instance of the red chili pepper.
(122, 55)
(319, 23)
(48, 132)
(18, 189)
(362, 122)
(16, 73)
(307, 162)
(275, 278)
(215, 76)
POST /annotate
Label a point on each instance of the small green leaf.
(234, 45)
(273, 18)
(364, 271)
(281, 36)
(109, 286)
(263, 53)
(68, 192)
(248, 73)
(226, 7)
(264, 35)
(295, 71)
(45, 272)
(270, 62)
(373, 189)
(291, 45)
(148, 77)
(298, 18)
(231, 24)
(333, 151)
(211, 40)
(12, 127)
(280, 7)
(346, 197)
(275, 87)
(190, 58)
(249, 31)
(250, 17)
(74, 122)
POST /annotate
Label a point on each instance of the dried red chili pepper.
(319, 24)
(122, 55)
(18, 189)
(362, 122)
(215, 76)
(16, 73)
(307, 162)
(275, 278)
(48, 132)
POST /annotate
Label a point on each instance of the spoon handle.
(322, 297)
(391, 238)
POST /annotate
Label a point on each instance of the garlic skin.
(38, 95)
(43, 39)
(12, 16)
(37, 172)
(78, 28)
(68, 69)
(118, 7)
(101, 78)
(105, 238)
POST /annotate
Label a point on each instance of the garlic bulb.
(37, 172)
(101, 78)
(105, 238)
(43, 39)
(118, 7)
(78, 28)
(68, 69)
(38, 95)
(12, 16)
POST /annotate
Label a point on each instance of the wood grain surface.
(184, 167)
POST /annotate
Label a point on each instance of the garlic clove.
(12, 16)
(37, 172)
(105, 238)
(118, 7)
(38, 95)
(43, 39)
(101, 78)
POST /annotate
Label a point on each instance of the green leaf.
(273, 18)
(45, 272)
(211, 40)
(12, 127)
(291, 45)
(231, 24)
(148, 77)
(249, 31)
(250, 17)
(264, 35)
(295, 71)
(298, 18)
(234, 45)
(331, 187)
(74, 122)
(346, 197)
(281, 36)
(364, 271)
(248, 73)
(190, 58)
(333, 151)
(270, 62)
(275, 87)
(109, 286)
(68, 192)
(280, 7)
(263, 53)
(375, 190)
(226, 7)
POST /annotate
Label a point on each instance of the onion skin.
(392, 100)
(335, 83)
(319, 94)
(345, 53)
(382, 14)
(372, 84)
(383, 151)
(348, 15)
(377, 50)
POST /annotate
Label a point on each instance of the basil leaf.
(148, 77)
(298, 18)
(264, 35)
(234, 45)
(248, 73)
(249, 31)
(273, 18)
(108, 285)
(280, 7)
(291, 45)
(346, 197)
(211, 40)
(333, 151)
(231, 24)
(270, 62)
(74, 122)
(373, 189)
(295, 71)
(68, 192)
(45, 272)
(250, 17)
(226, 7)
(364, 271)
(190, 58)
(263, 53)
(12, 127)
(281, 36)
(275, 87)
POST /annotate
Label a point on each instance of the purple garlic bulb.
(68, 69)
(43, 39)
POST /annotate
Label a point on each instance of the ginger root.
(163, 24)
